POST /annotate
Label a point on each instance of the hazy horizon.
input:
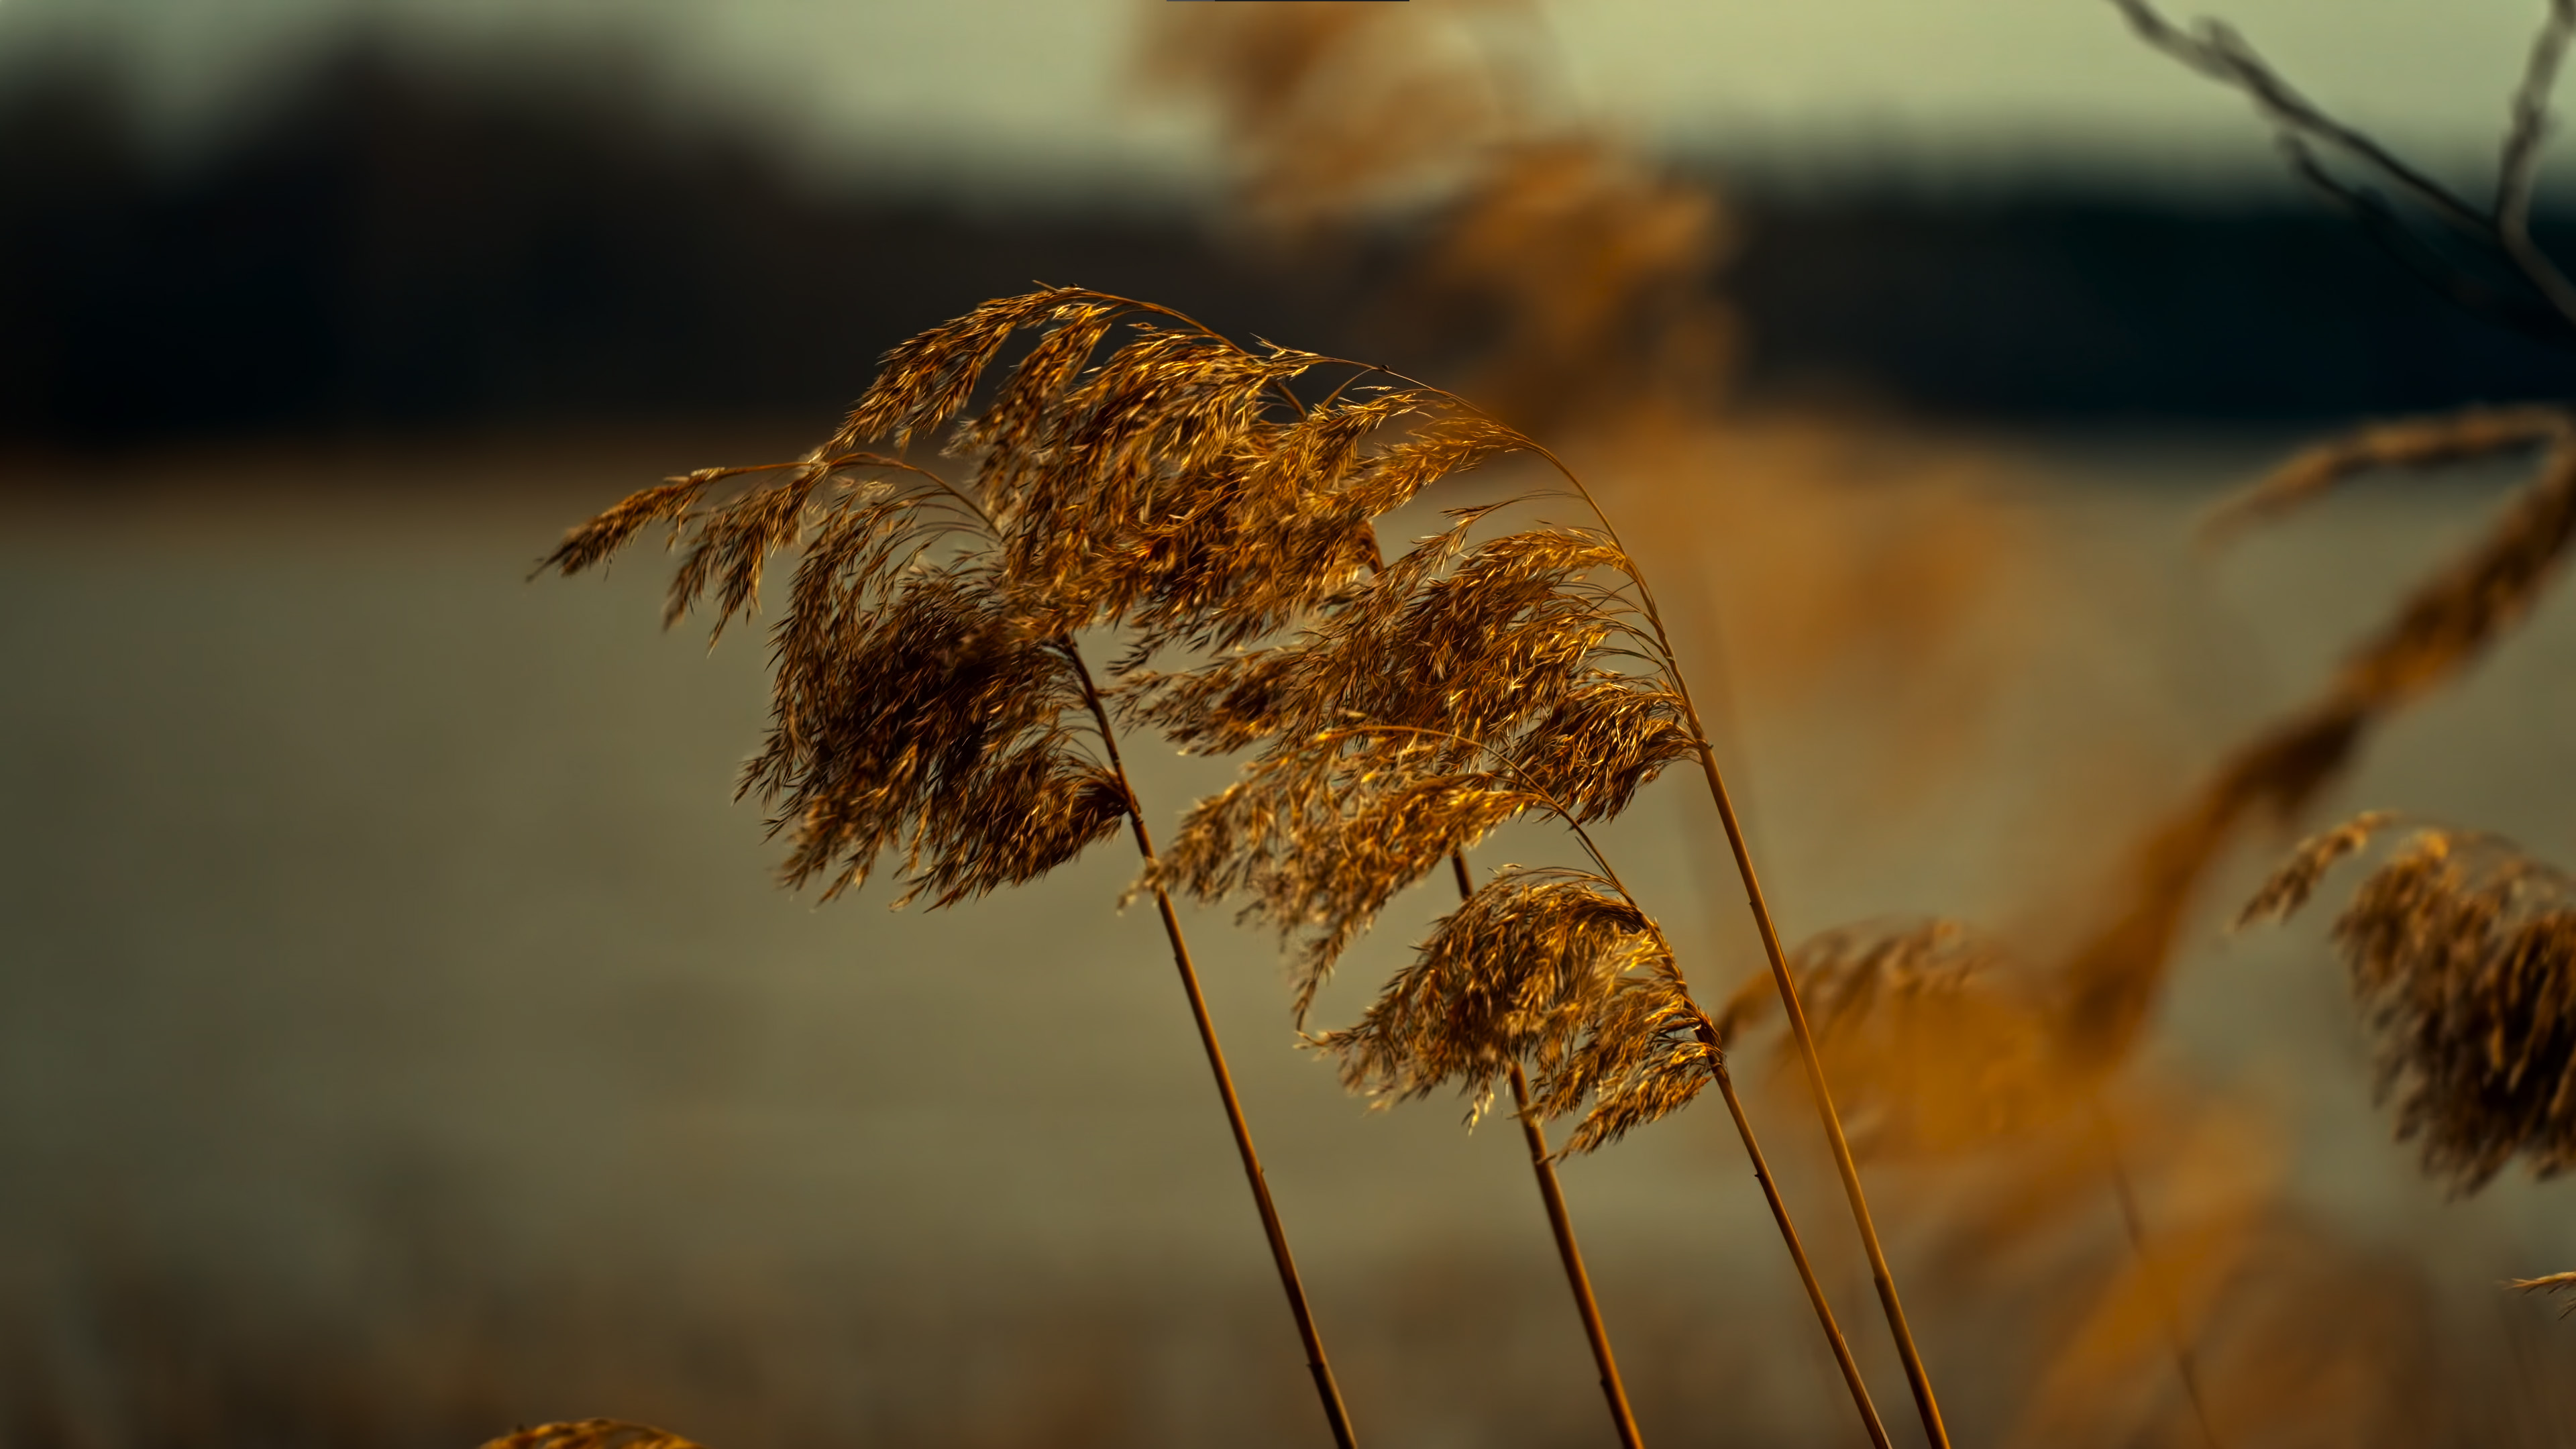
(1020, 94)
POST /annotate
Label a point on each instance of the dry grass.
(931, 701)
(1469, 682)
(1135, 471)
(929, 686)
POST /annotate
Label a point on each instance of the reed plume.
(1579, 266)
(2462, 951)
(931, 704)
(1466, 684)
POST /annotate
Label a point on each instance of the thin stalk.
(1916, 1376)
(1717, 1068)
(1789, 1234)
(1326, 1389)
(1561, 1223)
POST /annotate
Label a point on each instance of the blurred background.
(401, 1038)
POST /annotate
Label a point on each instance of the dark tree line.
(390, 244)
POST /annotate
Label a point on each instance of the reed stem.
(1916, 1376)
(1327, 1390)
(1561, 1223)
(1789, 1235)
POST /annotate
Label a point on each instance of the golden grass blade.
(1327, 1389)
(930, 701)
(1560, 1222)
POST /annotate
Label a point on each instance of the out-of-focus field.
(401, 1037)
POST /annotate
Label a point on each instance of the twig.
(2216, 50)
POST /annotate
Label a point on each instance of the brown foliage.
(1456, 689)
(927, 703)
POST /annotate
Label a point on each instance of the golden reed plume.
(931, 702)
(1583, 272)
(1582, 269)
(934, 712)
(1464, 684)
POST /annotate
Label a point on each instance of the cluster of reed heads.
(1068, 522)
(1138, 476)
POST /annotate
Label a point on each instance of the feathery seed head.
(1516, 972)
(2462, 951)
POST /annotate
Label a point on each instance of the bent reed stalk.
(1560, 1224)
(1322, 836)
(930, 700)
(1918, 1378)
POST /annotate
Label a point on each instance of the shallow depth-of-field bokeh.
(403, 1037)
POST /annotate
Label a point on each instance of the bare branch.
(2220, 53)
(2521, 162)
(2216, 50)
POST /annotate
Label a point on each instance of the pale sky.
(1023, 86)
